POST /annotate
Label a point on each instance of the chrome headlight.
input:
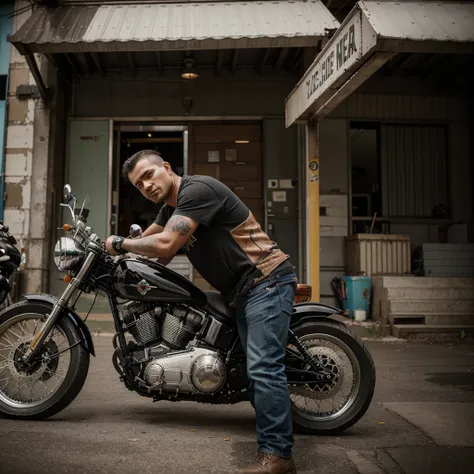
(68, 253)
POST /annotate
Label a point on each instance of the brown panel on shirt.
(256, 244)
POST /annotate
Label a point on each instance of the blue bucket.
(356, 295)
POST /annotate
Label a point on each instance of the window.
(414, 171)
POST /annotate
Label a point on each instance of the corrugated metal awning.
(421, 21)
(369, 37)
(190, 26)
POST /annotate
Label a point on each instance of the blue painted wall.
(6, 24)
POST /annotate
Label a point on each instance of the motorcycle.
(10, 260)
(173, 341)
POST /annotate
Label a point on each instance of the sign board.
(341, 53)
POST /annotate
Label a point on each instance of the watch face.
(117, 243)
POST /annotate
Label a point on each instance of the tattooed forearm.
(179, 224)
(150, 246)
(164, 244)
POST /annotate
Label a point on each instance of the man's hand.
(108, 245)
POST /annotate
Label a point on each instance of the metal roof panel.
(158, 25)
(419, 21)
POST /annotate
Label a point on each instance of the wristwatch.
(117, 245)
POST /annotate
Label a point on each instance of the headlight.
(67, 253)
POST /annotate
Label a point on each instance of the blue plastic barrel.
(357, 294)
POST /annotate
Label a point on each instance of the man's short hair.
(131, 162)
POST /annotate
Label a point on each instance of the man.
(228, 248)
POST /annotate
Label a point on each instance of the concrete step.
(426, 282)
(431, 306)
(427, 330)
(429, 293)
(432, 318)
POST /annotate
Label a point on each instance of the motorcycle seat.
(217, 302)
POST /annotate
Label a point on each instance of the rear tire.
(76, 373)
(366, 384)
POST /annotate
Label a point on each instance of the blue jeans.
(263, 318)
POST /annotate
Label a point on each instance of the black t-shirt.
(229, 248)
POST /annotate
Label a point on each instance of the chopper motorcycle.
(173, 342)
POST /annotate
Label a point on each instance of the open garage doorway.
(129, 206)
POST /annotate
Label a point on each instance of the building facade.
(387, 102)
(203, 83)
(375, 126)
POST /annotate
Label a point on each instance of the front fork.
(73, 285)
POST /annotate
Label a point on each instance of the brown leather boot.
(269, 464)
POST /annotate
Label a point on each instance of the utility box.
(378, 254)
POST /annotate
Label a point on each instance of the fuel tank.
(144, 280)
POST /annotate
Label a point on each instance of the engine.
(162, 331)
(142, 322)
(176, 325)
(180, 326)
(197, 370)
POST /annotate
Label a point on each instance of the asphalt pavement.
(421, 421)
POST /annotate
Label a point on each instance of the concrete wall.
(150, 95)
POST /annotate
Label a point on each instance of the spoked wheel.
(333, 406)
(56, 375)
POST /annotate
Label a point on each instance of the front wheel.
(57, 375)
(332, 407)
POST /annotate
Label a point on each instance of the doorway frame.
(126, 126)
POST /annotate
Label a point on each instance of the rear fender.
(304, 311)
(68, 313)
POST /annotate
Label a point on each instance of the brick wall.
(26, 168)
(19, 143)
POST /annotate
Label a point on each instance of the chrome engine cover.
(196, 370)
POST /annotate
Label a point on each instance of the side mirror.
(135, 231)
(67, 191)
(70, 201)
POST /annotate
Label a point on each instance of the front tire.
(330, 340)
(18, 324)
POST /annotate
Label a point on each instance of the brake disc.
(39, 369)
(325, 389)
